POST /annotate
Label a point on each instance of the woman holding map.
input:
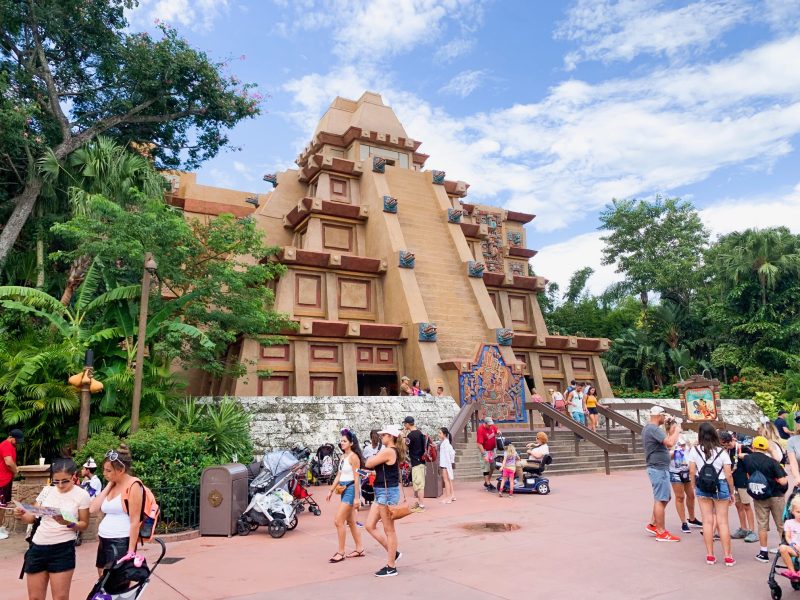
(62, 513)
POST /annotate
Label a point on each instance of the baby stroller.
(367, 485)
(272, 505)
(303, 498)
(125, 581)
(405, 473)
(325, 464)
(777, 564)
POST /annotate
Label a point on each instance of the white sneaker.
(3, 530)
(3, 535)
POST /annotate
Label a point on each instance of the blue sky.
(546, 107)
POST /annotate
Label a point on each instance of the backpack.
(431, 454)
(500, 443)
(326, 467)
(708, 476)
(150, 510)
(758, 486)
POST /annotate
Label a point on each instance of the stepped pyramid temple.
(393, 271)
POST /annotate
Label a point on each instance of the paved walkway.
(585, 538)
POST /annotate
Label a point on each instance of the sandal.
(333, 558)
(356, 554)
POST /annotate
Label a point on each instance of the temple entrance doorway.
(370, 383)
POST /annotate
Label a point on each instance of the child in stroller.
(325, 464)
(789, 550)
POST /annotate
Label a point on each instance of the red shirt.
(487, 436)
(6, 449)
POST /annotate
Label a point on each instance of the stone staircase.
(449, 299)
(562, 449)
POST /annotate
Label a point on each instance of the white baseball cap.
(656, 410)
(392, 430)
(90, 464)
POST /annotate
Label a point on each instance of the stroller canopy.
(273, 465)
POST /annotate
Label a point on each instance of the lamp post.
(88, 385)
(150, 267)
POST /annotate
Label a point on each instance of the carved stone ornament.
(427, 332)
(271, 178)
(378, 164)
(215, 498)
(438, 177)
(390, 205)
(514, 238)
(505, 336)
(475, 269)
(407, 259)
(454, 215)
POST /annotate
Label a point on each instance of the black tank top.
(388, 476)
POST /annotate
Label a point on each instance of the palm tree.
(769, 255)
(102, 168)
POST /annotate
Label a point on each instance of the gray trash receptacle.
(433, 480)
(223, 498)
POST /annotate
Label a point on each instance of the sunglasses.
(113, 455)
(61, 481)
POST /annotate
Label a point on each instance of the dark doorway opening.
(370, 384)
(531, 385)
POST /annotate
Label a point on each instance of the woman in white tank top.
(348, 485)
(119, 530)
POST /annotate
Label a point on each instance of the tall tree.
(656, 245)
(74, 71)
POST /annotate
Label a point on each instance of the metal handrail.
(467, 415)
(611, 415)
(637, 406)
(579, 430)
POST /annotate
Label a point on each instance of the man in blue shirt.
(782, 426)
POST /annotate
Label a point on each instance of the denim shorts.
(682, 477)
(349, 493)
(723, 493)
(659, 480)
(387, 496)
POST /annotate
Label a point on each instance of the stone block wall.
(280, 421)
(741, 412)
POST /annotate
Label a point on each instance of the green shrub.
(225, 424)
(667, 391)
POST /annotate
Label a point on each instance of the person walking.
(416, 448)
(767, 483)
(576, 402)
(744, 503)
(591, 408)
(50, 559)
(537, 397)
(557, 400)
(387, 493)
(348, 485)
(447, 458)
(656, 444)
(487, 442)
(8, 469)
(682, 485)
(121, 502)
(710, 469)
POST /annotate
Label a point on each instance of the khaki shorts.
(743, 497)
(772, 506)
(418, 477)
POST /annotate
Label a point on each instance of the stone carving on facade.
(438, 177)
(492, 244)
(407, 259)
(515, 239)
(505, 336)
(271, 178)
(454, 215)
(475, 269)
(517, 268)
(378, 164)
(427, 332)
(498, 391)
(390, 204)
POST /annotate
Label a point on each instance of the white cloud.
(367, 31)
(453, 49)
(464, 83)
(194, 14)
(557, 262)
(761, 212)
(610, 30)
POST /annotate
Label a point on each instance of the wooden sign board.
(700, 399)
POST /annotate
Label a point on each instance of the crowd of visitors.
(578, 402)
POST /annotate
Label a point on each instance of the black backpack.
(758, 486)
(708, 476)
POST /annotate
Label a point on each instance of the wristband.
(71, 525)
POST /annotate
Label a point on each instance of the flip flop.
(333, 558)
(356, 554)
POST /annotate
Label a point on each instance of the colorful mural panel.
(494, 386)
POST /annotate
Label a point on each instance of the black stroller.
(325, 464)
(125, 581)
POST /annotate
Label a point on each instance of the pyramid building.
(392, 271)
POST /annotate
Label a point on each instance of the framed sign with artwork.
(700, 399)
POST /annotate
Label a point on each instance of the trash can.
(223, 498)
(433, 480)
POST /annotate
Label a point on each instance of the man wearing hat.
(416, 449)
(91, 482)
(775, 487)
(657, 444)
(487, 442)
(8, 469)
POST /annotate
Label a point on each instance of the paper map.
(46, 511)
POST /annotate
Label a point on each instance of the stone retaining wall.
(280, 421)
(744, 413)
